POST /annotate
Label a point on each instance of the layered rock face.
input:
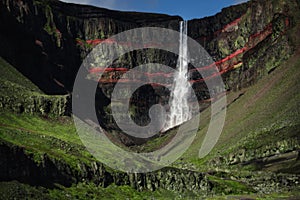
(48, 40)
(42, 38)
(22, 167)
(251, 43)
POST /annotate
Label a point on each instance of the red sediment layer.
(98, 41)
(110, 69)
(218, 63)
(224, 65)
(158, 74)
(229, 26)
(231, 56)
(166, 75)
(287, 22)
(95, 42)
(258, 37)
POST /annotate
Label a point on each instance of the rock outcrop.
(18, 165)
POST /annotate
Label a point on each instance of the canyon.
(44, 42)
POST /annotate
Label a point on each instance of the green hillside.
(19, 94)
(264, 117)
(15, 81)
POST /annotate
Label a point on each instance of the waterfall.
(179, 108)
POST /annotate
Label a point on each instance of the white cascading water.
(179, 107)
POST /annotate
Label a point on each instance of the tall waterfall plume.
(179, 108)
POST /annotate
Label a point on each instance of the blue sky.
(188, 9)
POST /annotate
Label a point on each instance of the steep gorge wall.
(253, 41)
(48, 40)
(246, 41)
(55, 37)
(250, 35)
(40, 38)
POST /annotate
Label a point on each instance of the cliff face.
(23, 167)
(247, 41)
(49, 171)
(48, 40)
(41, 38)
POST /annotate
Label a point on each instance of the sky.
(187, 9)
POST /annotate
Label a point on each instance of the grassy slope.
(11, 77)
(39, 135)
(16, 190)
(267, 107)
(57, 138)
(267, 112)
(276, 106)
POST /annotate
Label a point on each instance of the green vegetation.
(11, 77)
(267, 112)
(20, 95)
(91, 191)
(227, 186)
(43, 132)
(263, 124)
(56, 138)
(273, 196)
(16, 190)
(155, 143)
(49, 26)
